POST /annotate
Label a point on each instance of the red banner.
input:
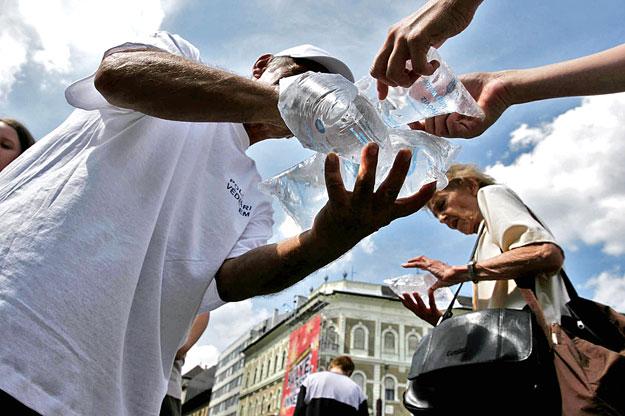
(302, 359)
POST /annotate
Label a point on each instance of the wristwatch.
(471, 270)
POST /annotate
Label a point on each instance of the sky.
(562, 156)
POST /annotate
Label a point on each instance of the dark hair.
(344, 363)
(24, 136)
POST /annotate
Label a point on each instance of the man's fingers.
(411, 204)
(382, 90)
(380, 63)
(395, 70)
(334, 182)
(363, 188)
(389, 189)
(418, 58)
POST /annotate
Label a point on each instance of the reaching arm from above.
(167, 86)
(601, 73)
(411, 38)
(347, 218)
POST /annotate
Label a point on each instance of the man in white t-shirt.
(141, 210)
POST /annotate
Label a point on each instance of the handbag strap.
(448, 313)
(570, 289)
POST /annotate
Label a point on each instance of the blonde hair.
(458, 173)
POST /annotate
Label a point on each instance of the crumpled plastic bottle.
(420, 283)
(430, 96)
(329, 114)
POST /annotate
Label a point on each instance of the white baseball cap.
(333, 64)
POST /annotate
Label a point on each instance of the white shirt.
(509, 225)
(113, 227)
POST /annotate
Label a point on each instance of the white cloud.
(574, 176)
(368, 245)
(609, 289)
(228, 323)
(65, 36)
(526, 136)
(203, 355)
(13, 47)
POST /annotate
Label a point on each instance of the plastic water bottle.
(420, 283)
(328, 115)
(430, 96)
(301, 189)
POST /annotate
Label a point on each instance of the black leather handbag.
(490, 362)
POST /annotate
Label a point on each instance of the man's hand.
(491, 94)
(430, 315)
(447, 275)
(348, 217)
(411, 38)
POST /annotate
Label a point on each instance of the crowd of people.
(140, 213)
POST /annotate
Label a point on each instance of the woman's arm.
(600, 73)
(533, 259)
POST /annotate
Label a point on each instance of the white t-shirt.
(509, 225)
(174, 385)
(113, 227)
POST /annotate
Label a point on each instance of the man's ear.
(261, 65)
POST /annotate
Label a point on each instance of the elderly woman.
(512, 243)
(14, 140)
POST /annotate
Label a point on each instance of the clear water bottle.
(301, 189)
(430, 96)
(328, 115)
(420, 283)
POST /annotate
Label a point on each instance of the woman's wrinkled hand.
(445, 274)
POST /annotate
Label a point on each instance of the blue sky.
(563, 156)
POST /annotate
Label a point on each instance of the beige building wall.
(362, 320)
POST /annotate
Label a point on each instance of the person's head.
(342, 364)
(297, 60)
(456, 205)
(14, 140)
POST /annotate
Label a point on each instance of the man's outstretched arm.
(168, 86)
(346, 219)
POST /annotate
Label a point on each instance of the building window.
(359, 378)
(283, 359)
(389, 389)
(332, 339)
(389, 341)
(359, 337)
(411, 344)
